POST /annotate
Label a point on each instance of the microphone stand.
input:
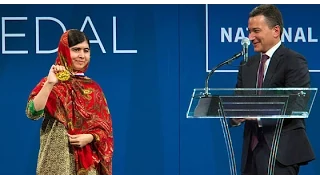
(206, 94)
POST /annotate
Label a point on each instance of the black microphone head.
(245, 41)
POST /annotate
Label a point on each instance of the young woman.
(76, 135)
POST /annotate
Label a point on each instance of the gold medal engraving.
(63, 75)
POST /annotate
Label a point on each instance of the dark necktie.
(264, 58)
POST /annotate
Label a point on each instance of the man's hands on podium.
(238, 121)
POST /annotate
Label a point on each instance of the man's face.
(262, 36)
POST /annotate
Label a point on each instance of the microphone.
(245, 42)
(218, 66)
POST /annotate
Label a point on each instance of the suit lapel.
(274, 61)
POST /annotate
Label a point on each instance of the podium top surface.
(251, 102)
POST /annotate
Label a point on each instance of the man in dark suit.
(281, 67)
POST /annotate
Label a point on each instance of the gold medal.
(63, 75)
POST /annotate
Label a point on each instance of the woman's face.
(80, 55)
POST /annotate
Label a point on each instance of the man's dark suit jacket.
(286, 69)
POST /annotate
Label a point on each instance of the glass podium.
(267, 103)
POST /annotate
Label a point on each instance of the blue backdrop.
(148, 59)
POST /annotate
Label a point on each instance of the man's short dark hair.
(271, 13)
